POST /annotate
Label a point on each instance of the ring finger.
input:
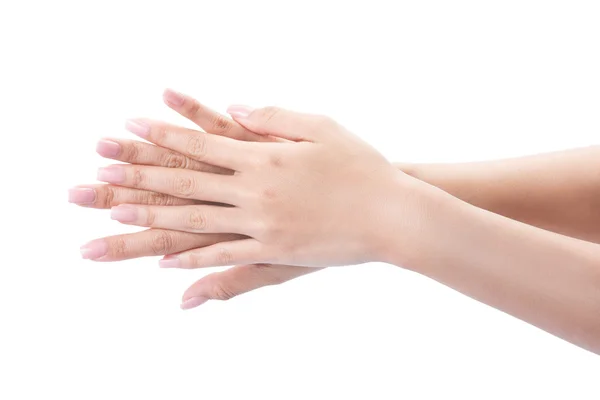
(104, 196)
(176, 182)
(195, 218)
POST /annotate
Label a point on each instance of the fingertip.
(239, 111)
(108, 148)
(169, 261)
(124, 213)
(173, 98)
(82, 196)
(138, 126)
(94, 250)
(193, 302)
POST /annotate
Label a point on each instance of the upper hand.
(315, 200)
(218, 285)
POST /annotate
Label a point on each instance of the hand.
(315, 201)
(152, 242)
(219, 285)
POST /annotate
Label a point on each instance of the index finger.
(151, 242)
(211, 149)
(209, 120)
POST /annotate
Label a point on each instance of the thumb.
(237, 280)
(276, 121)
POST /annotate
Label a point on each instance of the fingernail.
(173, 98)
(123, 213)
(112, 174)
(94, 249)
(107, 148)
(193, 302)
(137, 127)
(82, 195)
(239, 111)
(171, 262)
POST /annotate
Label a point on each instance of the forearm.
(556, 191)
(549, 280)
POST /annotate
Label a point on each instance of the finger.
(209, 120)
(175, 182)
(107, 196)
(237, 280)
(245, 251)
(194, 218)
(211, 149)
(136, 152)
(278, 122)
(152, 242)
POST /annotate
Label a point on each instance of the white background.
(422, 80)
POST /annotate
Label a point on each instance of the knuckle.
(271, 231)
(268, 274)
(196, 220)
(269, 194)
(167, 200)
(132, 151)
(108, 197)
(261, 228)
(196, 146)
(174, 160)
(138, 178)
(163, 242)
(219, 124)
(275, 161)
(276, 279)
(224, 256)
(324, 122)
(321, 118)
(194, 260)
(223, 292)
(160, 133)
(150, 216)
(118, 247)
(194, 109)
(185, 186)
(158, 199)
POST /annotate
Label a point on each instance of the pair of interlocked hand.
(270, 191)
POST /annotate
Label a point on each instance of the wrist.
(416, 170)
(423, 222)
(461, 180)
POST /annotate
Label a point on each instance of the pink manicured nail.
(137, 127)
(169, 262)
(193, 302)
(173, 98)
(82, 195)
(94, 249)
(112, 174)
(239, 111)
(107, 148)
(124, 213)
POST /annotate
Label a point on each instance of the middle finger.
(176, 182)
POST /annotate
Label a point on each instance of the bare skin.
(557, 191)
(547, 279)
